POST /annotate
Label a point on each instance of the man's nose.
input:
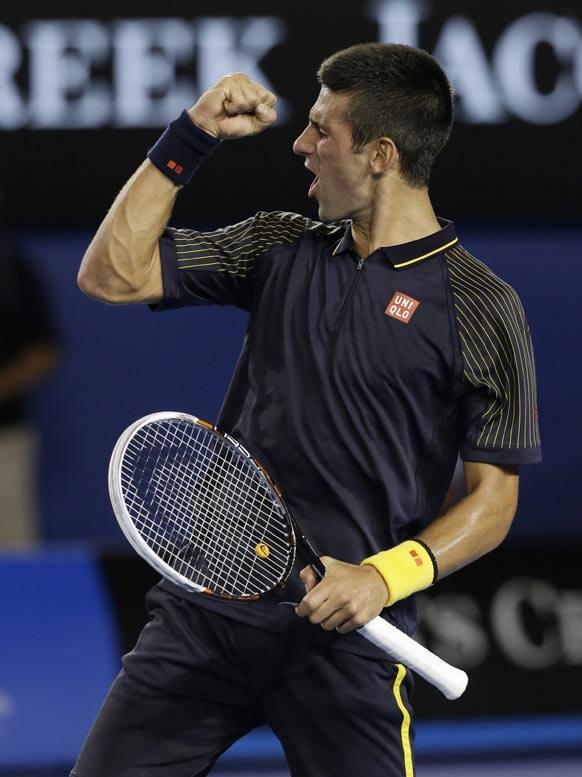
(302, 146)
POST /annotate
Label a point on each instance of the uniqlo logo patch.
(401, 307)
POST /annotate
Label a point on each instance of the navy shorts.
(196, 681)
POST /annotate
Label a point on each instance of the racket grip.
(402, 648)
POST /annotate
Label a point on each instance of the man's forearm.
(475, 525)
(465, 532)
(122, 262)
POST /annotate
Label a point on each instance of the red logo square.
(416, 557)
(401, 307)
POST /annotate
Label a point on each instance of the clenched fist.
(234, 108)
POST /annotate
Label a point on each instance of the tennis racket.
(204, 513)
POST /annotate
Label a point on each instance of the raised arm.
(122, 262)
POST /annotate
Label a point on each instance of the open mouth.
(313, 187)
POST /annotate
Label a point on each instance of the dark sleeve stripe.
(517, 334)
(514, 334)
(243, 257)
(507, 384)
(497, 356)
(490, 344)
(192, 243)
(234, 249)
(497, 352)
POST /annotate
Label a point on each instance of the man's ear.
(384, 157)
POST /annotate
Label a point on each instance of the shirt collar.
(408, 254)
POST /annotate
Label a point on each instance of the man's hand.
(347, 598)
(235, 107)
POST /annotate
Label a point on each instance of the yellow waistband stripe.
(405, 727)
(430, 253)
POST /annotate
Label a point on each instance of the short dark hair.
(399, 92)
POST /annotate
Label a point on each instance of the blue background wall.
(123, 362)
(58, 655)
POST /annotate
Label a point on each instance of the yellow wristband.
(406, 569)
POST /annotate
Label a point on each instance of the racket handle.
(402, 648)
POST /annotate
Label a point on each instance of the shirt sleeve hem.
(169, 265)
(508, 456)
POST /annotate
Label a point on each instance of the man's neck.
(399, 214)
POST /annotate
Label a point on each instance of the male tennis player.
(377, 349)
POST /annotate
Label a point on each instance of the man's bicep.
(470, 475)
(493, 477)
(498, 484)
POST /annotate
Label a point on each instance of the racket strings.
(214, 494)
(251, 519)
(183, 514)
(203, 508)
(172, 495)
(220, 496)
(183, 518)
(222, 487)
(230, 510)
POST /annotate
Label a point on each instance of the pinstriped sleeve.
(498, 404)
(218, 268)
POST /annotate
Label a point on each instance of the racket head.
(195, 505)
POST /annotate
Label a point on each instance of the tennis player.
(377, 350)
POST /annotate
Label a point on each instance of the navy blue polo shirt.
(360, 380)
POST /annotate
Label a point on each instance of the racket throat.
(290, 590)
(308, 555)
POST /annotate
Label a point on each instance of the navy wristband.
(181, 149)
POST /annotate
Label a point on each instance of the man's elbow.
(96, 280)
(87, 284)
(116, 289)
(95, 290)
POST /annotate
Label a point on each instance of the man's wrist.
(202, 125)
(377, 581)
(406, 569)
(181, 149)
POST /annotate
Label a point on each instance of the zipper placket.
(351, 291)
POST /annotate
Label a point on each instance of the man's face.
(342, 185)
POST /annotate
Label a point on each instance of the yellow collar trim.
(430, 253)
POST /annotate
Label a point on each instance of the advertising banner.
(85, 93)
